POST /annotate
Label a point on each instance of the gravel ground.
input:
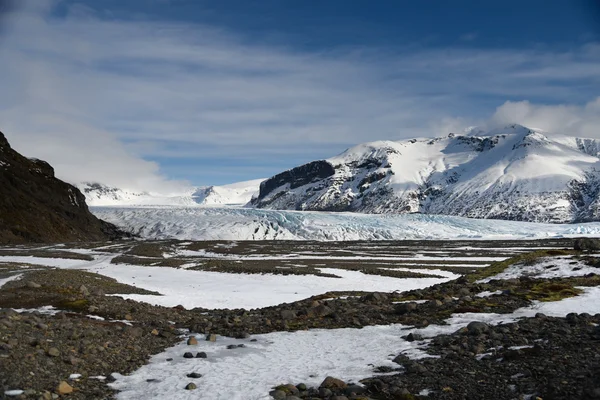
(38, 352)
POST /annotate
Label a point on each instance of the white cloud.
(572, 120)
(95, 96)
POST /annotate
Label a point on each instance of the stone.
(231, 346)
(154, 332)
(333, 383)
(405, 308)
(288, 314)
(33, 285)
(194, 375)
(319, 311)
(301, 387)
(375, 297)
(477, 328)
(64, 388)
(201, 355)
(191, 386)
(188, 355)
(435, 303)
(413, 337)
(83, 290)
(136, 332)
(278, 394)
(353, 390)
(192, 341)
(211, 337)
(128, 317)
(53, 352)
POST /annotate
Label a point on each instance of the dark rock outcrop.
(296, 177)
(35, 206)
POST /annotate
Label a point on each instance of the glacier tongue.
(195, 223)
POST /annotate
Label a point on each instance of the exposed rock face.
(296, 177)
(37, 207)
(512, 173)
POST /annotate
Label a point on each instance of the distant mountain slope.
(37, 207)
(513, 173)
(238, 193)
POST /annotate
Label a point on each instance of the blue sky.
(156, 94)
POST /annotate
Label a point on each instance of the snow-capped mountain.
(233, 194)
(238, 193)
(513, 173)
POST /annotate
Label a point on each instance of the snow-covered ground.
(222, 290)
(195, 223)
(305, 356)
(248, 373)
(553, 267)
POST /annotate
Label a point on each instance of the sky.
(159, 95)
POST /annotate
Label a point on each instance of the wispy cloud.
(98, 97)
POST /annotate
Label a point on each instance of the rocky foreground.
(95, 335)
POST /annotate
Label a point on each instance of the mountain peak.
(512, 172)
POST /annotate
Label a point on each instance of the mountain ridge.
(35, 206)
(512, 173)
(235, 194)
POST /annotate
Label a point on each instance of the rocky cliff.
(35, 206)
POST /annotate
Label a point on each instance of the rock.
(415, 368)
(587, 244)
(211, 337)
(84, 291)
(352, 390)
(413, 337)
(188, 355)
(191, 386)
(319, 311)
(278, 394)
(375, 297)
(33, 285)
(301, 387)
(477, 328)
(435, 303)
(64, 388)
(401, 359)
(333, 383)
(404, 308)
(201, 355)
(136, 332)
(194, 375)
(288, 314)
(154, 332)
(192, 341)
(231, 346)
(53, 352)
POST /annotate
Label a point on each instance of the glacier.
(229, 223)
